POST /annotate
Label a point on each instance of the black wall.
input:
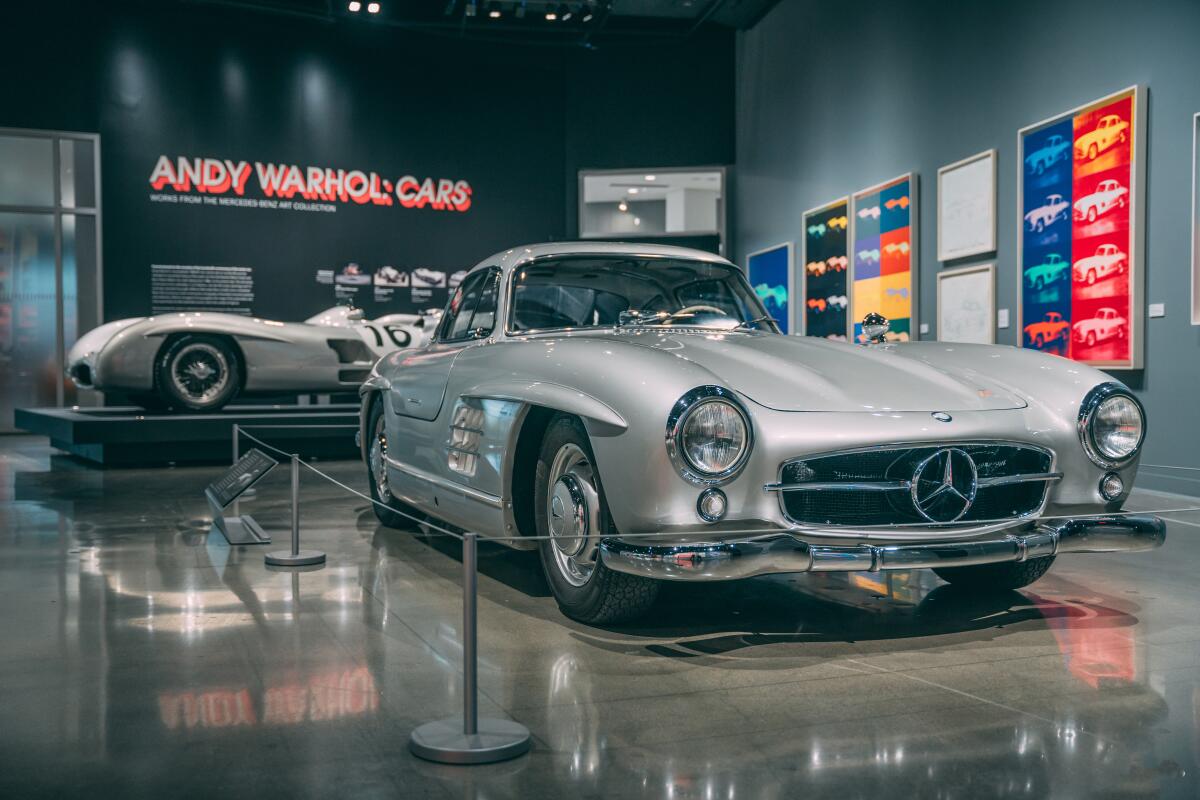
(516, 122)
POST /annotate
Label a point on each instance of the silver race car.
(635, 408)
(200, 361)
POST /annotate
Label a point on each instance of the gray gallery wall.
(834, 97)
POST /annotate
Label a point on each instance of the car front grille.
(874, 486)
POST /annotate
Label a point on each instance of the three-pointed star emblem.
(944, 485)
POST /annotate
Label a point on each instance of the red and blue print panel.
(1077, 237)
(826, 265)
(883, 257)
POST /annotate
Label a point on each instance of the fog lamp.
(1111, 486)
(711, 505)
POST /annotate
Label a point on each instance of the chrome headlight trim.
(678, 417)
(1087, 417)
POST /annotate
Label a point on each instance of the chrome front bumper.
(730, 560)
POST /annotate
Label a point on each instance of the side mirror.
(875, 327)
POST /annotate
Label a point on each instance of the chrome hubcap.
(573, 514)
(379, 461)
(200, 372)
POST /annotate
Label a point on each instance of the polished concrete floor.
(140, 656)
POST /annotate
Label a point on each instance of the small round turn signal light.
(1111, 486)
(711, 505)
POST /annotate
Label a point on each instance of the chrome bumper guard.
(776, 553)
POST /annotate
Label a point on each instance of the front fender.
(551, 395)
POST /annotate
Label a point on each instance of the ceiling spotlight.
(632, 190)
(355, 6)
(637, 220)
(586, 14)
(372, 8)
(494, 10)
(564, 13)
(551, 15)
(651, 177)
(622, 206)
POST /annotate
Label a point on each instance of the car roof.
(508, 259)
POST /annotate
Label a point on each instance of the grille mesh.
(848, 507)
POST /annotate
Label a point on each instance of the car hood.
(795, 373)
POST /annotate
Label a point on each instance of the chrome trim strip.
(785, 553)
(845, 486)
(466, 491)
(1008, 480)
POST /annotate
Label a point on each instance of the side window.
(460, 308)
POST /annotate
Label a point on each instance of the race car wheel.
(572, 516)
(997, 577)
(1091, 277)
(1121, 332)
(1041, 226)
(198, 373)
(1039, 341)
(1039, 284)
(1121, 201)
(1093, 152)
(1091, 339)
(390, 511)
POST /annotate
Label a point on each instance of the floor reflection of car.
(1054, 268)
(1107, 324)
(1051, 328)
(1110, 130)
(1053, 151)
(1108, 195)
(1053, 209)
(1108, 260)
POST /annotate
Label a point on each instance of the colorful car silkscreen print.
(1077, 236)
(826, 268)
(883, 252)
(769, 272)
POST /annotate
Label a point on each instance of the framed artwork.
(826, 270)
(1195, 220)
(1080, 241)
(966, 207)
(884, 257)
(770, 273)
(966, 303)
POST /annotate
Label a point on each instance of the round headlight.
(713, 437)
(708, 435)
(1113, 425)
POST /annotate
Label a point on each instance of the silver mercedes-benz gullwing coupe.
(635, 410)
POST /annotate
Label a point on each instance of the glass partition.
(676, 206)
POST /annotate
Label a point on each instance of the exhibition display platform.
(128, 436)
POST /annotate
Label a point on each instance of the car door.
(419, 386)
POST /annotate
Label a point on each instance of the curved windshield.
(605, 291)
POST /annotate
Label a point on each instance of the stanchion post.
(296, 557)
(470, 740)
(234, 510)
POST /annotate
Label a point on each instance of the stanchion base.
(285, 558)
(444, 741)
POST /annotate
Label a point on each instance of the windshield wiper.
(638, 318)
(747, 323)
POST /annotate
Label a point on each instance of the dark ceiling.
(581, 23)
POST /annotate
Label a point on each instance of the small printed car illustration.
(201, 360)
(837, 300)
(817, 230)
(766, 292)
(1107, 324)
(1054, 150)
(430, 278)
(838, 222)
(815, 267)
(631, 413)
(817, 304)
(870, 211)
(897, 202)
(1109, 194)
(1049, 212)
(1108, 260)
(391, 277)
(837, 263)
(1110, 130)
(1052, 328)
(1054, 268)
(868, 255)
(891, 248)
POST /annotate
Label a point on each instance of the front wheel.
(199, 372)
(573, 516)
(996, 577)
